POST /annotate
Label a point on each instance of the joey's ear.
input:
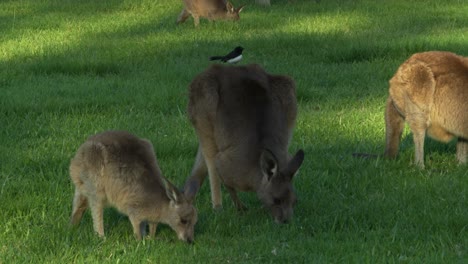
(294, 164)
(172, 193)
(239, 9)
(268, 164)
(229, 7)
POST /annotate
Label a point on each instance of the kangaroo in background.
(430, 92)
(210, 9)
(119, 169)
(244, 120)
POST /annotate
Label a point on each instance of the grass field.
(69, 69)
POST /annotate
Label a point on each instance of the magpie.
(232, 57)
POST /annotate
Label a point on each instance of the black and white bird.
(232, 57)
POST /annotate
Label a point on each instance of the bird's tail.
(216, 58)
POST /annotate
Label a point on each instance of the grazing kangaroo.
(244, 120)
(210, 9)
(430, 92)
(119, 169)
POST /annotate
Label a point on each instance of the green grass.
(69, 69)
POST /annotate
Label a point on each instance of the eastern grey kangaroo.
(244, 119)
(210, 9)
(119, 169)
(430, 92)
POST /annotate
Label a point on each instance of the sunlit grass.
(70, 69)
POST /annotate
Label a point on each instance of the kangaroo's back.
(246, 105)
(205, 7)
(441, 63)
(124, 151)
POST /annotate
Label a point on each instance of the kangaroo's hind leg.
(209, 152)
(394, 125)
(183, 16)
(208, 149)
(462, 150)
(97, 211)
(80, 203)
(197, 176)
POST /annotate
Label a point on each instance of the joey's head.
(276, 190)
(181, 214)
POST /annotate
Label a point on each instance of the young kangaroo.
(430, 92)
(244, 120)
(119, 169)
(210, 9)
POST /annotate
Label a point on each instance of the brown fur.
(119, 169)
(210, 9)
(430, 92)
(244, 120)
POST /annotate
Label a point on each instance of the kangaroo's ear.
(172, 193)
(239, 9)
(294, 164)
(268, 164)
(229, 7)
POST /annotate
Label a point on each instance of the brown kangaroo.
(119, 169)
(430, 92)
(210, 9)
(244, 120)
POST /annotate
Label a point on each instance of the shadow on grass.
(86, 55)
(155, 45)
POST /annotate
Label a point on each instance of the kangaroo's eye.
(183, 221)
(276, 201)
